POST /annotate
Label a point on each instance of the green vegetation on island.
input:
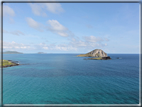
(7, 63)
(12, 52)
(98, 58)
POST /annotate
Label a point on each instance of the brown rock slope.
(94, 53)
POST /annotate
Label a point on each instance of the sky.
(71, 27)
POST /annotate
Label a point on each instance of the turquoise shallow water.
(67, 79)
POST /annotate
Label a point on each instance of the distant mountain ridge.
(12, 52)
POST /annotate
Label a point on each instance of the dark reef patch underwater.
(67, 79)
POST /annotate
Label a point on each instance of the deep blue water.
(67, 79)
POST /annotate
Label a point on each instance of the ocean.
(67, 79)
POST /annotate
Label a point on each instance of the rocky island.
(97, 54)
(8, 63)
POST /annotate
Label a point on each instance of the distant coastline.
(12, 52)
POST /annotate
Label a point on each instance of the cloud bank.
(17, 32)
(40, 9)
(13, 45)
(33, 24)
(56, 27)
(89, 42)
(8, 11)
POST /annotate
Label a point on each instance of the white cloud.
(79, 43)
(89, 42)
(61, 47)
(75, 44)
(32, 23)
(54, 7)
(58, 28)
(20, 46)
(13, 45)
(93, 39)
(37, 9)
(56, 25)
(40, 8)
(8, 11)
(17, 32)
(43, 46)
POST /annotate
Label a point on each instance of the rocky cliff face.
(95, 53)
